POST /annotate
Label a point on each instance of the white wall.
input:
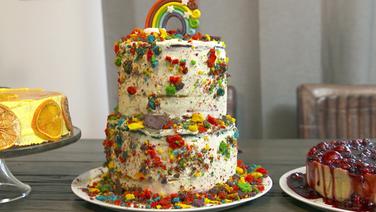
(57, 45)
(290, 54)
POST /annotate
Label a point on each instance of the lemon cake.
(32, 116)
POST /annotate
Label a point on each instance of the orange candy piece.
(47, 121)
(10, 128)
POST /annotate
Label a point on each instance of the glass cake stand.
(10, 187)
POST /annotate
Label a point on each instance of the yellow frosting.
(23, 102)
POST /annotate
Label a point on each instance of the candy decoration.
(132, 90)
(184, 11)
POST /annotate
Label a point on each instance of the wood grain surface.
(50, 175)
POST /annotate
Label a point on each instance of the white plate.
(86, 178)
(319, 203)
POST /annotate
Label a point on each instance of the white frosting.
(195, 96)
(218, 170)
(204, 164)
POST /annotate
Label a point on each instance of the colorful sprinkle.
(132, 90)
(170, 90)
(136, 125)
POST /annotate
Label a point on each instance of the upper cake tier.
(164, 72)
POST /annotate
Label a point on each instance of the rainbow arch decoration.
(186, 11)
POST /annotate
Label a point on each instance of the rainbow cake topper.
(186, 11)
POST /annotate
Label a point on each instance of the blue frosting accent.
(236, 134)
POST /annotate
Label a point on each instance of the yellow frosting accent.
(197, 117)
(23, 102)
(193, 128)
(256, 174)
(136, 125)
(239, 170)
(130, 197)
(183, 205)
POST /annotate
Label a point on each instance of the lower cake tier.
(170, 163)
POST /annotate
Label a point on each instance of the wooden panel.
(353, 117)
(364, 117)
(342, 117)
(336, 111)
(331, 117)
(321, 114)
(373, 116)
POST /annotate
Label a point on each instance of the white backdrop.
(57, 45)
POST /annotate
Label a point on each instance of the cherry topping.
(312, 151)
(331, 156)
(323, 146)
(342, 148)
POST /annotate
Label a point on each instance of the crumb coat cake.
(32, 116)
(170, 132)
(344, 173)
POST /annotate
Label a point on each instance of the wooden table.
(50, 175)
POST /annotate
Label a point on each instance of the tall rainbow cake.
(170, 133)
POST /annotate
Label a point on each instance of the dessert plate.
(86, 178)
(319, 203)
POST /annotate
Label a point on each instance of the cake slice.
(344, 172)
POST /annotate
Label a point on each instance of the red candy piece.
(202, 129)
(132, 90)
(149, 55)
(197, 36)
(212, 58)
(182, 63)
(117, 202)
(212, 120)
(108, 143)
(169, 125)
(168, 59)
(175, 61)
(261, 187)
(184, 70)
(175, 141)
(175, 80)
(116, 48)
(262, 170)
(249, 178)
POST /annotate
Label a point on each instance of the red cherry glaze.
(342, 148)
(331, 156)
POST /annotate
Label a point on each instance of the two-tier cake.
(170, 143)
(171, 131)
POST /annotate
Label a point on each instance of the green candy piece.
(224, 149)
(245, 187)
(194, 23)
(104, 188)
(118, 62)
(193, 62)
(170, 90)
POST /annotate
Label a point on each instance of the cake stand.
(10, 187)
